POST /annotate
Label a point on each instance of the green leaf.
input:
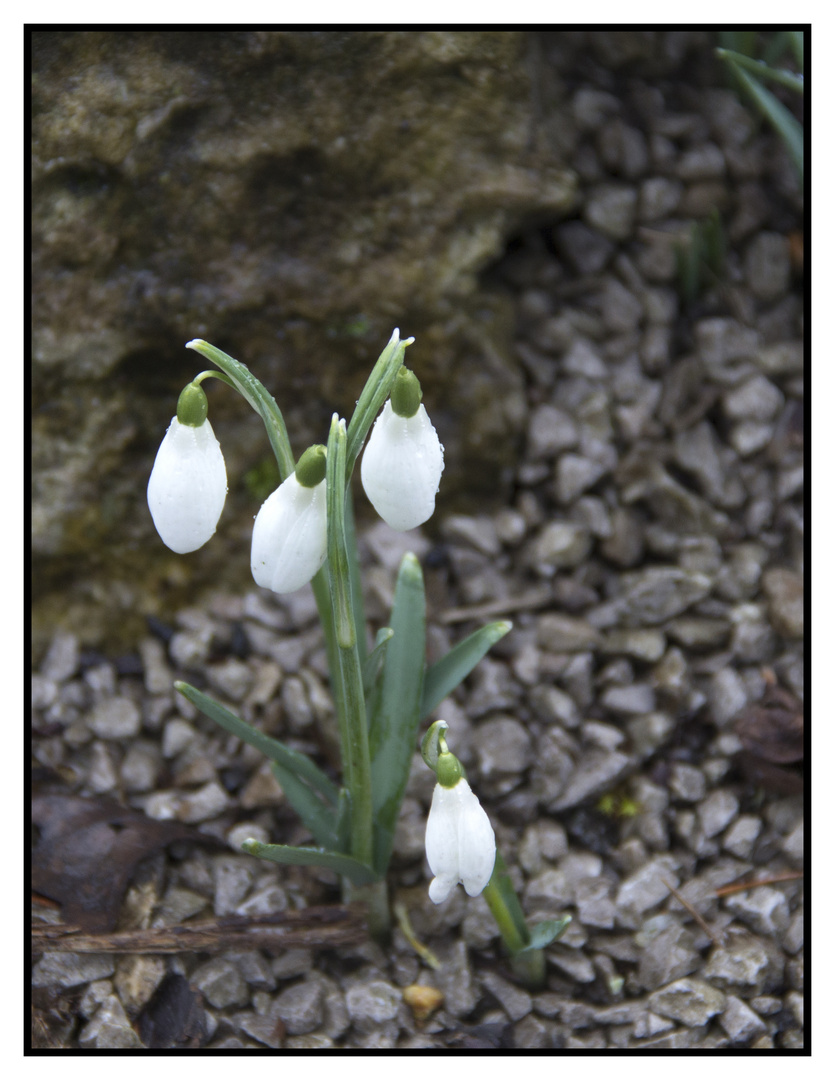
(762, 70)
(787, 127)
(505, 908)
(442, 677)
(544, 933)
(394, 727)
(319, 818)
(374, 664)
(295, 762)
(258, 397)
(358, 873)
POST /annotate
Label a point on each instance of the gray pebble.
(158, 676)
(559, 545)
(61, 660)
(717, 811)
(576, 474)
(659, 593)
(659, 197)
(704, 162)
(586, 250)
(70, 969)
(784, 590)
(629, 700)
(670, 955)
(740, 838)
(742, 963)
(687, 782)
(563, 633)
(233, 876)
(740, 1021)
(516, 1002)
(765, 910)
(727, 695)
(646, 888)
(115, 718)
(582, 359)
(190, 648)
(110, 1029)
(756, 399)
(300, 1007)
(479, 532)
(502, 745)
(231, 678)
(689, 1001)
(595, 906)
(611, 208)
(596, 771)
(372, 1003)
(221, 983)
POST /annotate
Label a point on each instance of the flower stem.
(527, 963)
(354, 726)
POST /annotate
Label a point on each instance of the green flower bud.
(406, 393)
(192, 406)
(449, 770)
(310, 470)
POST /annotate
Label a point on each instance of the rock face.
(289, 196)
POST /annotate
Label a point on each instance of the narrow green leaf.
(787, 127)
(374, 664)
(357, 604)
(297, 763)
(258, 397)
(544, 933)
(394, 728)
(762, 70)
(797, 45)
(443, 676)
(358, 873)
(319, 818)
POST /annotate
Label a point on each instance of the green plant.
(751, 73)
(305, 532)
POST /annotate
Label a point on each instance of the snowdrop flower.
(290, 538)
(460, 843)
(187, 488)
(404, 459)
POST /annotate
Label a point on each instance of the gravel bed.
(651, 558)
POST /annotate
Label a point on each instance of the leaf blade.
(358, 873)
(451, 670)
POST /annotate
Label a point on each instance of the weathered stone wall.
(289, 196)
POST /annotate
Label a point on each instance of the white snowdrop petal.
(460, 843)
(187, 488)
(290, 536)
(401, 468)
(477, 844)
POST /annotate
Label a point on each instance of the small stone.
(647, 645)
(740, 1022)
(610, 208)
(742, 962)
(740, 838)
(596, 771)
(595, 906)
(221, 983)
(750, 436)
(291, 963)
(478, 532)
(61, 660)
(670, 955)
(204, 804)
(646, 888)
(717, 811)
(687, 782)
(101, 774)
(563, 633)
(625, 546)
(768, 266)
(582, 359)
(233, 876)
(629, 700)
(177, 736)
(190, 648)
(784, 590)
(70, 969)
(586, 250)
(232, 678)
(423, 1001)
(659, 197)
(559, 545)
(659, 593)
(576, 474)
(502, 745)
(756, 399)
(622, 311)
(300, 1007)
(764, 909)
(137, 977)
(649, 731)
(110, 1029)
(115, 718)
(703, 162)
(554, 706)
(158, 676)
(371, 1003)
(689, 1001)
(141, 766)
(727, 695)
(516, 1002)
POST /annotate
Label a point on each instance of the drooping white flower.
(403, 460)
(290, 537)
(187, 488)
(460, 843)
